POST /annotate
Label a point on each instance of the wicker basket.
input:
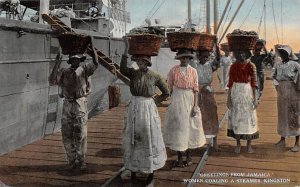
(144, 44)
(72, 43)
(241, 42)
(206, 42)
(183, 40)
(224, 47)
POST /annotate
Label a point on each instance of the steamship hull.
(30, 108)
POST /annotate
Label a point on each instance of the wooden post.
(114, 95)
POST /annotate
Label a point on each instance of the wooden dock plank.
(278, 162)
(42, 162)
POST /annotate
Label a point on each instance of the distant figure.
(223, 71)
(288, 97)
(75, 87)
(63, 12)
(270, 58)
(94, 11)
(242, 102)
(258, 59)
(182, 128)
(35, 18)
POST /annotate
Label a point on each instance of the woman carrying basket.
(143, 146)
(182, 128)
(241, 101)
(207, 103)
(288, 100)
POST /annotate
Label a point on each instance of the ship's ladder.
(105, 61)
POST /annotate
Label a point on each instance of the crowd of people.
(191, 116)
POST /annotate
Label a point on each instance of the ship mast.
(216, 17)
(189, 23)
(208, 30)
(44, 9)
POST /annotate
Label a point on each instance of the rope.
(200, 6)
(157, 9)
(275, 21)
(262, 14)
(248, 13)
(281, 21)
(226, 19)
(152, 8)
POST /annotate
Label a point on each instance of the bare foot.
(295, 148)
(250, 149)
(178, 163)
(188, 161)
(216, 148)
(280, 143)
(237, 149)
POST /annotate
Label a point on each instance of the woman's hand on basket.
(58, 57)
(125, 39)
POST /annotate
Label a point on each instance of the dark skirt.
(288, 104)
(230, 133)
(208, 107)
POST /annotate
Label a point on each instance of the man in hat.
(258, 60)
(207, 103)
(225, 63)
(75, 86)
(182, 128)
(288, 97)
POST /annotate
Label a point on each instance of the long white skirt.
(181, 131)
(143, 145)
(242, 120)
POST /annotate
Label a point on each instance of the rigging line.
(152, 8)
(265, 22)
(281, 22)
(232, 19)
(223, 15)
(248, 13)
(261, 18)
(158, 8)
(201, 1)
(226, 19)
(275, 21)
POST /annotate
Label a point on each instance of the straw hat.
(143, 57)
(289, 51)
(81, 57)
(184, 53)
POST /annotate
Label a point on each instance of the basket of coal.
(183, 40)
(240, 40)
(144, 44)
(224, 46)
(72, 43)
(206, 42)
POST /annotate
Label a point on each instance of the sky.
(287, 17)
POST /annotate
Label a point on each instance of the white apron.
(181, 131)
(242, 116)
(143, 146)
